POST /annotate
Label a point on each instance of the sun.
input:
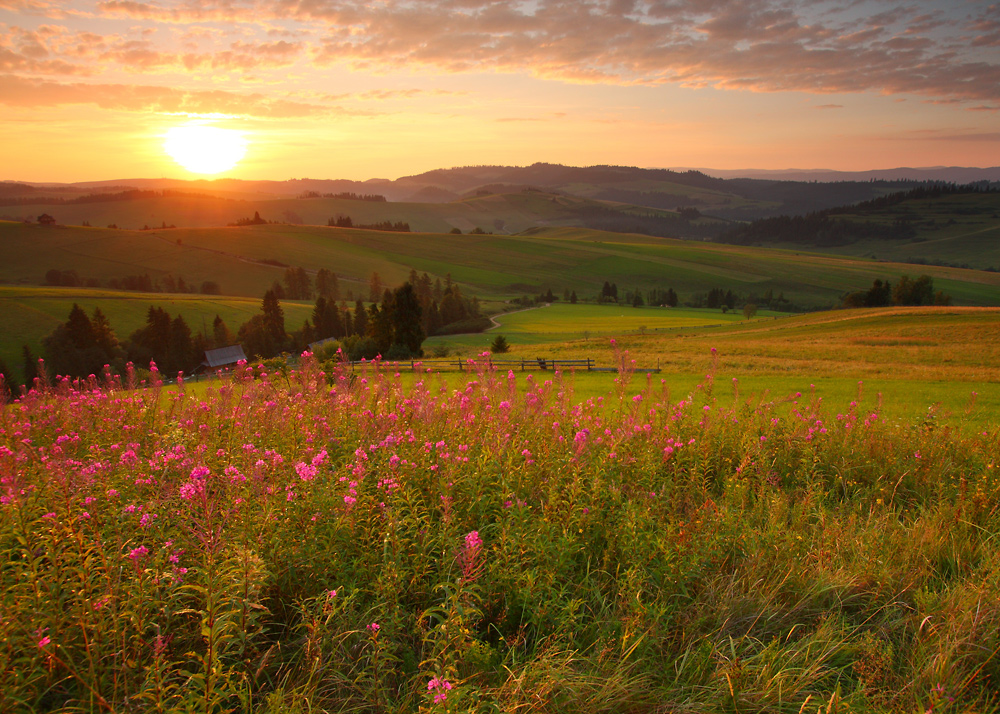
(205, 149)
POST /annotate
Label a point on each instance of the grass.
(561, 322)
(27, 315)
(919, 359)
(502, 213)
(489, 266)
(956, 230)
(307, 542)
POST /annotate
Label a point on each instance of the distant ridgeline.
(825, 229)
(348, 195)
(129, 194)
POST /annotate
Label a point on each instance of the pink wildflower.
(306, 472)
(470, 555)
(441, 687)
(137, 554)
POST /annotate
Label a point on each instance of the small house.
(46, 220)
(222, 358)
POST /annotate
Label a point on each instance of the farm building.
(222, 358)
(46, 220)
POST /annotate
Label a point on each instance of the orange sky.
(337, 89)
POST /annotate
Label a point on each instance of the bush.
(499, 345)
(475, 324)
(364, 348)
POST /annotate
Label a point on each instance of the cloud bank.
(921, 48)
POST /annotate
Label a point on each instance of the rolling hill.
(960, 227)
(726, 198)
(495, 212)
(245, 261)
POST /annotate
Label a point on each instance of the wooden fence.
(471, 365)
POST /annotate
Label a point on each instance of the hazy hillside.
(743, 197)
(245, 261)
(958, 226)
(498, 212)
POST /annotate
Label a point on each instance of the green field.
(560, 322)
(500, 213)
(491, 266)
(916, 358)
(961, 229)
(27, 315)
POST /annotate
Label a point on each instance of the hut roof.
(224, 356)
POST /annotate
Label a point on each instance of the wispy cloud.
(751, 45)
(21, 92)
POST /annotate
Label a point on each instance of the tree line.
(393, 325)
(905, 292)
(136, 283)
(825, 229)
(348, 195)
(342, 221)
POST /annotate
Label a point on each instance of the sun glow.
(205, 149)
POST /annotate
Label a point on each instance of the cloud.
(814, 46)
(829, 106)
(21, 92)
(947, 135)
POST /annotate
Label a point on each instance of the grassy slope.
(28, 314)
(490, 265)
(932, 343)
(506, 213)
(959, 230)
(562, 322)
(915, 358)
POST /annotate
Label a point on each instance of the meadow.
(953, 229)
(502, 213)
(490, 266)
(929, 360)
(562, 322)
(313, 540)
(28, 314)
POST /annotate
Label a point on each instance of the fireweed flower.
(373, 628)
(469, 557)
(137, 554)
(440, 689)
(306, 472)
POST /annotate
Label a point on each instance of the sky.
(89, 89)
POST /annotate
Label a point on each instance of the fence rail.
(446, 365)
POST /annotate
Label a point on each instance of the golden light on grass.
(205, 149)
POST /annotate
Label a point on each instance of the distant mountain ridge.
(729, 195)
(951, 174)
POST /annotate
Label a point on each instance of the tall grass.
(317, 541)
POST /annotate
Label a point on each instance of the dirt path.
(497, 324)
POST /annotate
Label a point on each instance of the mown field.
(923, 361)
(313, 542)
(491, 266)
(563, 322)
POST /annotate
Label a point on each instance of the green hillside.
(28, 314)
(961, 229)
(497, 213)
(491, 266)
